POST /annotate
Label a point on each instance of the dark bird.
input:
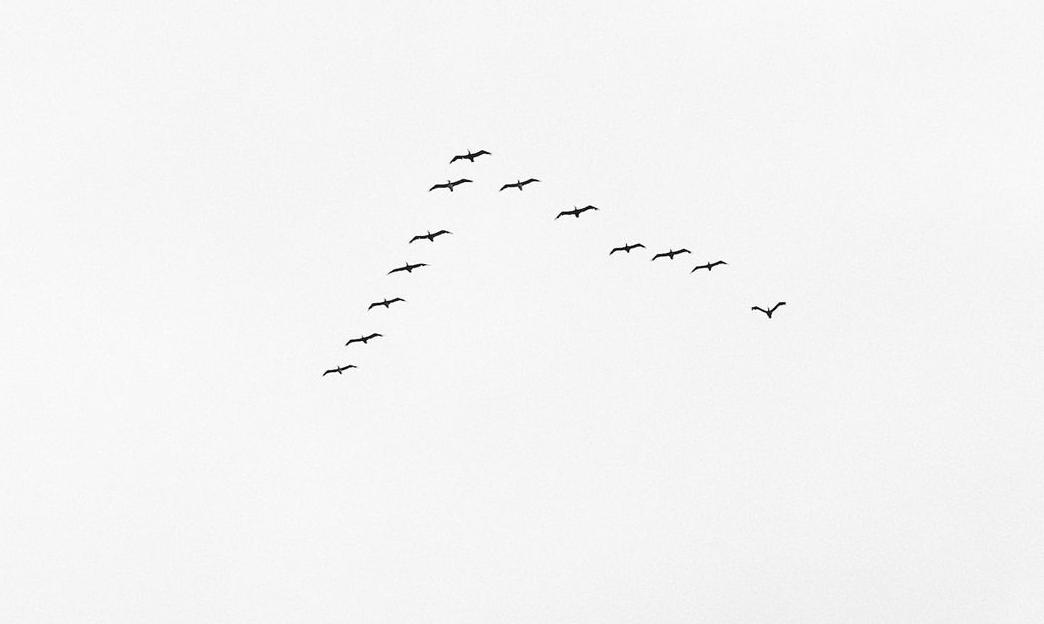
(364, 339)
(468, 156)
(431, 237)
(626, 248)
(386, 303)
(770, 310)
(709, 266)
(575, 211)
(339, 369)
(670, 254)
(449, 184)
(408, 268)
(519, 184)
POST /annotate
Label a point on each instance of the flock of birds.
(518, 184)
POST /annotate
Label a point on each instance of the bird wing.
(759, 309)
(659, 255)
(778, 304)
(461, 181)
(353, 340)
(374, 335)
(529, 180)
(590, 207)
(481, 152)
(441, 232)
(438, 186)
(637, 245)
(416, 238)
(681, 251)
(396, 299)
(564, 212)
(506, 186)
(694, 269)
(396, 270)
(616, 249)
(717, 262)
(373, 304)
(456, 158)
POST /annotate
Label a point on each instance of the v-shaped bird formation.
(430, 236)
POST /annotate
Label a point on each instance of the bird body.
(407, 267)
(519, 184)
(670, 254)
(770, 310)
(364, 339)
(386, 303)
(576, 212)
(626, 248)
(709, 266)
(431, 237)
(449, 184)
(469, 156)
(339, 370)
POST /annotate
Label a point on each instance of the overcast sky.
(200, 199)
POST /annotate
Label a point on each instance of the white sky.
(199, 200)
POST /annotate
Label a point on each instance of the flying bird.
(626, 248)
(709, 266)
(449, 184)
(519, 184)
(386, 303)
(576, 212)
(670, 254)
(468, 156)
(339, 369)
(431, 237)
(770, 310)
(408, 268)
(364, 339)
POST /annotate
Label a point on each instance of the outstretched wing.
(461, 181)
(781, 303)
(456, 158)
(329, 371)
(417, 238)
(438, 186)
(396, 270)
(717, 262)
(564, 212)
(589, 207)
(759, 309)
(506, 186)
(525, 182)
(353, 340)
(374, 335)
(660, 255)
(481, 152)
(702, 266)
(681, 251)
(375, 304)
(441, 232)
(390, 301)
(616, 249)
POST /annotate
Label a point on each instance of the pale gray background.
(200, 198)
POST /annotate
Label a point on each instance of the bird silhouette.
(626, 247)
(519, 184)
(339, 369)
(709, 266)
(670, 254)
(449, 184)
(408, 268)
(770, 310)
(431, 237)
(575, 211)
(364, 339)
(386, 303)
(469, 156)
